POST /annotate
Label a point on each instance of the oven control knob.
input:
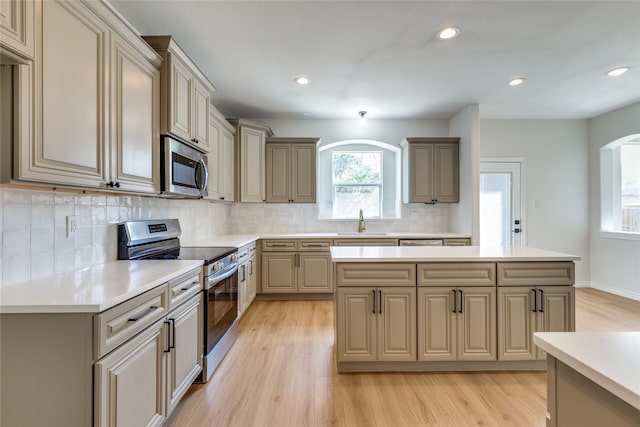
(233, 258)
(217, 266)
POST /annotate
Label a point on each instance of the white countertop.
(443, 254)
(610, 359)
(238, 240)
(91, 290)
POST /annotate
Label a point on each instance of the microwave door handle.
(201, 186)
(206, 176)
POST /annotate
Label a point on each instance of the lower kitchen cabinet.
(457, 323)
(247, 278)
(129, 382)
(376, 324)
(523, 310)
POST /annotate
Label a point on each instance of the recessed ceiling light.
(517, 81)
(617, 71)
(302, 80)
(448, 33)
(363, 116)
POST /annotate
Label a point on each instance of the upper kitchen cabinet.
(185, 94)
(250, 160)
(17, 28)
(291, 170)
(87, 107)
(221, 158)
(431, 170)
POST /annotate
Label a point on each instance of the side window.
(620, 185)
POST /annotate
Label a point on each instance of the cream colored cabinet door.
(129, 388)
(180, 100)
(214, 184)
(477, 323)
(421, 173)
(135, 157)
(184, 361)
(278, 173)
(396, 328)
(556, 311)
(17, 22)
(516, 323)
(243, 291)
(314, 273)
(226, 167)
(252, 161)
(356, 328)
(446, 174)
(437, 316)
(279, 273)
(69, 144)
(200, 125)
(303, 173)
(252, 285)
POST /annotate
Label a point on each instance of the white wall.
(463, 216)
(557, 180)
(615, 263)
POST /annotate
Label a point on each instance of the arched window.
(620, 185)
(359, 174)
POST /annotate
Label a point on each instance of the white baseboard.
(616, 291)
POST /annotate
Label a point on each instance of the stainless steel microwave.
(183, 170)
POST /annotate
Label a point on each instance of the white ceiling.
(384, 56)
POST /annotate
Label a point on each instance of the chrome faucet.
(361, 225)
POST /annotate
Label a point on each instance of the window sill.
(622, 235)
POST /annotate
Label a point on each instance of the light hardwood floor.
(281, 372)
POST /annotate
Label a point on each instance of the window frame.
(611, 190)
(379, 184)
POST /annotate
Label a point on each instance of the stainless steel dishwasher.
(421, 242)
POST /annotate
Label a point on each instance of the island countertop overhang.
(444, 254)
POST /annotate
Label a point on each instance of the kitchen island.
(593, 378)
(448, 308)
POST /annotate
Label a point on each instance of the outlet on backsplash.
(72, 225)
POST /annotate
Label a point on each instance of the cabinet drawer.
(120, 323)
(279, 245)
(314, 245)
(183, 287)
(536, 273)
(381, 274)
(457, 274)
(457, 242)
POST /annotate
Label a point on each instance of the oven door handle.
(218, 279)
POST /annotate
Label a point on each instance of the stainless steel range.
(159, 239)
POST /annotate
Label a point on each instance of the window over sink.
(359, 174)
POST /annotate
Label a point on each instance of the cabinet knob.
(221, 198)
(195, 140)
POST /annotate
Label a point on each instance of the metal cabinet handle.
(374, 301)
(535, 300)
(167, 349)
(460, 311)
(173, 333)
(455, 308)
(250, 267)
(145, 314)
(193, 285)
(541, 301)
(380, 303)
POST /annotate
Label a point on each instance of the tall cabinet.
(250, 160)
(221, 158)
(291, 170)
(106, 136)
(431, 170)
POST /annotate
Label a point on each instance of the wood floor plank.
(282, 372)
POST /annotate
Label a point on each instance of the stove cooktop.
(207, 254)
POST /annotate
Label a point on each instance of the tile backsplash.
(33, 240)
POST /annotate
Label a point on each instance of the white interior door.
(501, 216)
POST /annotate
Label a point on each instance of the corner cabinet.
(250, 139)
(109, 81)
(185, 94)
(431, 170)
(291, 170)
(221, 158)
